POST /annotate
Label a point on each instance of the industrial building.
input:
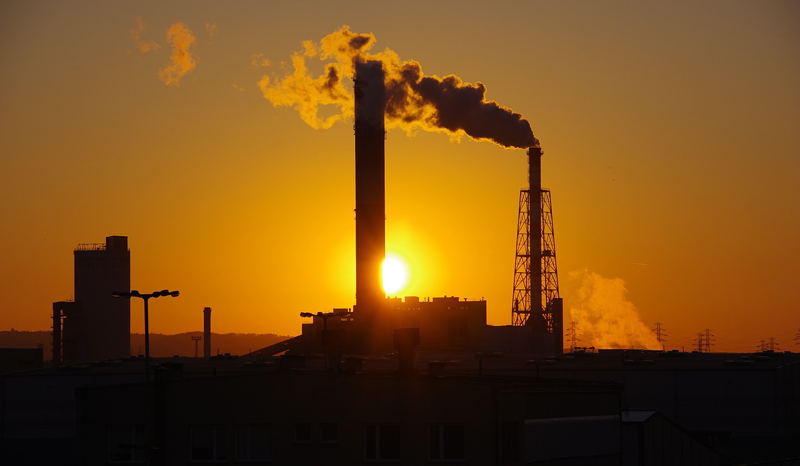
(318, 417)
(95, 326)
(670, 408)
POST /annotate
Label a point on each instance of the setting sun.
(395, 274)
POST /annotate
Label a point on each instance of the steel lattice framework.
(549, 267)
(522, 311)
(522, 279)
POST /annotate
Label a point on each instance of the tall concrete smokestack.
(370, 99)
(206, 332)
(535, 235)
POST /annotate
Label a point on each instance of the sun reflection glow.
(395, 274)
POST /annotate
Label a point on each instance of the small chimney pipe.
(206, 332)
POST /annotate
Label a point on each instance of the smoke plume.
(414, 101)
(182, 62)
(141, 45)
(604, 316)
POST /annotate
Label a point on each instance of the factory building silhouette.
(405, 380)
(95, 326)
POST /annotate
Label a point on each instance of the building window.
(253, 442)
(382, 442)
(302, 433)
(510, 441)
(208, 443)
(328, 433)
(447, 442)
(126, 444)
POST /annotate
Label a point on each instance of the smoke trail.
(306, 94)
(181, 39)
(605, 317)
(141, 45)
(414, 101)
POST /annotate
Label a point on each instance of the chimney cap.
(535, 150)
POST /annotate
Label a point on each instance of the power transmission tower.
(572, 334)
(196, 340)
(773, 345)
(763, 345)
(708, 340)
(660, 334)
(704, 341)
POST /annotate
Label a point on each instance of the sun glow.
(395, 274)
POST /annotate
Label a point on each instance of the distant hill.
(160, 345)
(183, 345)
(16, 339)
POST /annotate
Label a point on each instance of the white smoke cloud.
(604, 316)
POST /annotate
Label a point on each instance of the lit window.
(126, 444)
(447, 442)
(253, 442)
(207, 443)
(382, 442)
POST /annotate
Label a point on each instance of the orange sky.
(670, 133)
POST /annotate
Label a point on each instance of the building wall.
(445, 323)
(283, 401)
(741, 402)
(107, 321)
(566, 425)
(39, 408)
(659, 441)
(20, 359)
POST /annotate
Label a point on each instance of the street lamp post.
(146, 297)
